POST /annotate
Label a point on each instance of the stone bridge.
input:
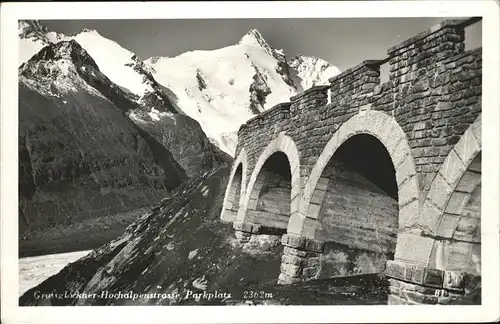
(363, 176)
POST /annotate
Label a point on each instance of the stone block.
(294, 206)
(255, 194)
(468, 229)
(291, 270)
(408, 214)
(252, 203)
(394, 283)
(452, 169)
(476, 129)
(413, 248)
(322, 184)
(295, 223)
(309, 273)
(313, 211)
(317, 197)
(395, 269)
(469, 181)
(259, 184)
(457, 202)
(467, 147)
(313, 261)
(408, 191)
(293, 251)
(243, 237)
(428, 179)
(420, 298)
(433, 278)
(246, 227)
(475, 164)
(228, 215)
(292, 259)
(314, 245)
(230, 203)
(418, 274)
(430, 217)
(293, 241)
(453, 280)
(409, 273)
(419, 126)
(405, 169)
(296, 183)
(439, 192)
(311, 226)
(443, 105)
(459, 256)
(448, 225)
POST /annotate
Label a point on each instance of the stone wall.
(356, 213)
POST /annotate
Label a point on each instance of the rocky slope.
(179, 249)
(80, 154)
(223, 88)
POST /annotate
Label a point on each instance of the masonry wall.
(359, 223)
(273, 204)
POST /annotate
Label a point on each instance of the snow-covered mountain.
(120, 65)
(223, 88)
(220, 89)
(151, 108)
(310, 71)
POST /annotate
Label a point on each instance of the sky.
(344, 42)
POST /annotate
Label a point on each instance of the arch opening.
(233, 198)
(356, 205)
(269, 203)
(368, 157)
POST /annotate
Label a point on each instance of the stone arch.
(456, 182)
(236, 188)
(286, 145)
(389, 133)
(449, 175)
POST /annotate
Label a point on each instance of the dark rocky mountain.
(82, 155)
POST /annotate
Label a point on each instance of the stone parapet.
(449, 23)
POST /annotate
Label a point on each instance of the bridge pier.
(300, 260)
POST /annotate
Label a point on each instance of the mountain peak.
(255, 33)
(64, 50)
(254, 37)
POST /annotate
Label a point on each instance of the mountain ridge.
(88, 148)
(240, 80)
